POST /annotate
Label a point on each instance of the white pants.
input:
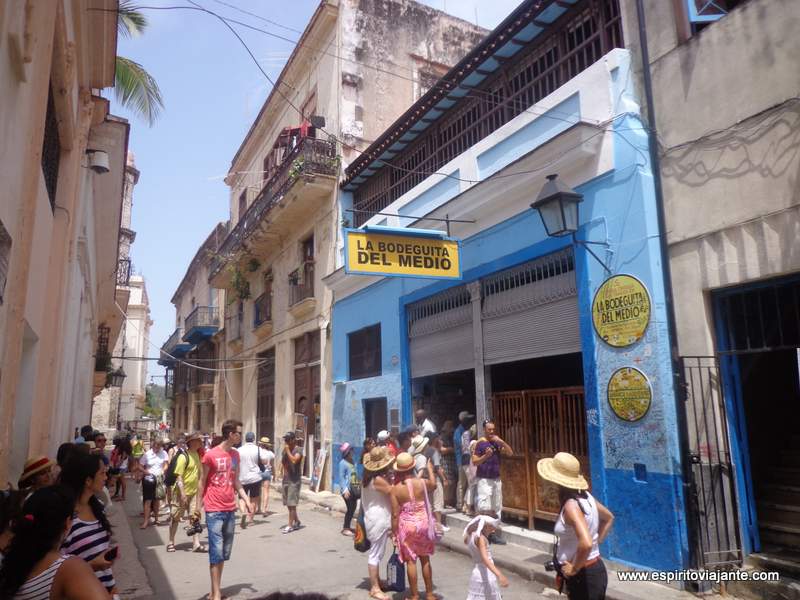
(377, 549)
(490, 496)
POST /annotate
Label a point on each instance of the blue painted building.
(514, 339)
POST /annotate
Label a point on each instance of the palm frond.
(130, 21)
(137, 90)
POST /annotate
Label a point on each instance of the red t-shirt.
(219, 495)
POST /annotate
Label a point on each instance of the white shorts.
(438, 497)
(490, 495)
(377, 549)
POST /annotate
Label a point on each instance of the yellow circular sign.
(629, 394)
(621, 310)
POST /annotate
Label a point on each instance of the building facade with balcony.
(113, 406)
(59, 219)
(284, 214)
(531, 335)
(725, 88)
(195, 377)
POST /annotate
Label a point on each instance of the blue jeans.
(220, 535)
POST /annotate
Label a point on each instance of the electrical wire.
(518, 103)
(178, 360)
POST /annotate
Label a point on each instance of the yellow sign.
(621, 310)
(629, 394)
(398, 255)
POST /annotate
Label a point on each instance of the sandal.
(378, 595)
(170, 547)
(200, 548)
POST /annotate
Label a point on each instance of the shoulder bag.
(435, 531)
(360, 541)
(354, 486)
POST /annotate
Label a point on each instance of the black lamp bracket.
(586, 244)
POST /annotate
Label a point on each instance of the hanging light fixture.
(557, 204)
(117, 377)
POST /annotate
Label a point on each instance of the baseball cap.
(383, 435)
(250, 437)
(289, 435)
(465, 414)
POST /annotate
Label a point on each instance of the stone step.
(785, 475)
(773, 512)
(779, 534)
(540, 541)
(780, 494)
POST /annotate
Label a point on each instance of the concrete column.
(482, 382)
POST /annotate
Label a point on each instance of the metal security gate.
(265, 395)
(440, 333)
(538, 424)
(713, 495)
(531, 310)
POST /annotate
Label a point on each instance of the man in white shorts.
(486, 458)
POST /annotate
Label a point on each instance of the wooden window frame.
(370, 338)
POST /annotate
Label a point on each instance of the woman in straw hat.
(36, 474)
(377, 505)
(411, 522)
(581, 527)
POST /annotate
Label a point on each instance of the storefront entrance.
(538, 422)
(758, 329)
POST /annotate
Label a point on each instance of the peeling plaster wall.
(398, 37)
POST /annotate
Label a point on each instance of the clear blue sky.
(212, 92)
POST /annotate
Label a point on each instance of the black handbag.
(360, 541)
(354, 486)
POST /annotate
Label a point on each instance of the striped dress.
(38, 588)
(89, 539)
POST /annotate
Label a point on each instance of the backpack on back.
(169, 475)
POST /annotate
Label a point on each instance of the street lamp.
(117, 377)
(557, 204)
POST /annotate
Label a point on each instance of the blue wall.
(618, 208)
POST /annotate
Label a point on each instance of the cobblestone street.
(315, 558)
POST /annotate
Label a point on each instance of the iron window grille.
(51, 150)
(575, 41)
(364, 352)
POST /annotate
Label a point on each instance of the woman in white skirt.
(377, 506)
(486, 579)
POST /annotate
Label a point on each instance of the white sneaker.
(445, 528)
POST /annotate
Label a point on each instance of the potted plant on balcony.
(240, 284)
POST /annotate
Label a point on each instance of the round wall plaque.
(621, 310)
(629, 394)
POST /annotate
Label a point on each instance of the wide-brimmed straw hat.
(34, 466)
(378, 459)
(265, 441)
(418, 444)
(564, 470)
(404, 462)
(194, 436)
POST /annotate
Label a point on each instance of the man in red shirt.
(219, 486)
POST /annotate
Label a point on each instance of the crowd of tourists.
(408, 478)
(56, 540)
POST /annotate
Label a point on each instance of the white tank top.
(568, 540)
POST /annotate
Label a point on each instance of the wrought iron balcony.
(174, 346)
(124, 271)
(233, 326)
(301, 283)
(201, 324)
(311, 156)
(263, 309)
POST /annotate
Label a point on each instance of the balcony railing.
(202, 316)
(124, 271)
(311, 156)
(198, 377)
(173, 340)
(574, 42)
(233, 326)
(263, 309)
(301, 284)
